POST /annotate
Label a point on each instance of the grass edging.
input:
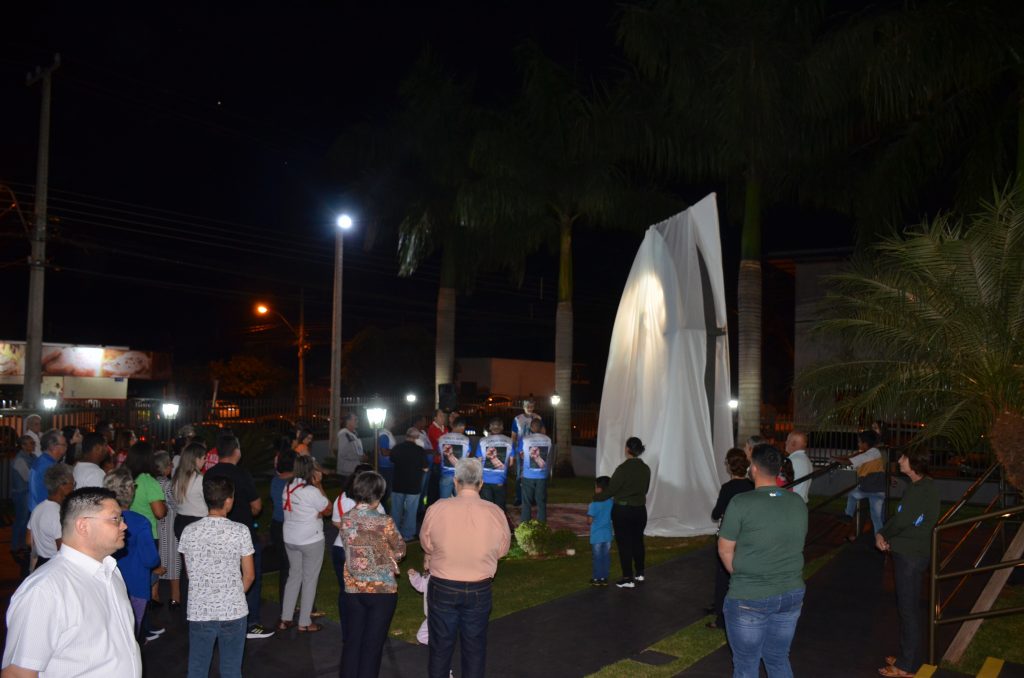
(690, 644)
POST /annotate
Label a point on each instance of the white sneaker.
(639, 579)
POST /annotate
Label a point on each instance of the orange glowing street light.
(300, 336)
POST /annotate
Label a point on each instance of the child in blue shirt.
(599, 517)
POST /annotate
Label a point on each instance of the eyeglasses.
(117, 520)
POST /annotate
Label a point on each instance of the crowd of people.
(102, 501)
(186, 513)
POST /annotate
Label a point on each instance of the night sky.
(191, 174)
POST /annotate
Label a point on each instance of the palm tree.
(932, 327)
(923, 99)
(547, 166)
(416, 164)
(732, 72)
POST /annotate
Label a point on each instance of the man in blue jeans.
(462, 539)
(761, 544)
(409, 466)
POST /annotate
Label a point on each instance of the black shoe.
(626, 583)
(174, 605)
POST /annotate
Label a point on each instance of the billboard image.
(63, 360)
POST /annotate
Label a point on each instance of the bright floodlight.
(376, 416)
(344, 222)
(734, 404)
(50, 403)
(555, 400)
(410, 398)
(170, 410)
(262, 309)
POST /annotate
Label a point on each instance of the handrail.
(935, 609)
(811, 476)
(968, 493)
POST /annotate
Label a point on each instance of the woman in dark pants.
(628, 490)
(737, 463)
(907, 535)
(373, 547)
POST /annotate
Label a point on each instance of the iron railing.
(1003, 515)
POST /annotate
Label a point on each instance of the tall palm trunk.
(444, 348)
(563, 344)
(749, 313)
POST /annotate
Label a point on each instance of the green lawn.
(994, 638)
(548, 578)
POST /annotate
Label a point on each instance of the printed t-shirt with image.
(534, 455)
(459, 446)
(496, 454)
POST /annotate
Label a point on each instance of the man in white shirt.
(796, 443)
(44, 524)
(350, 448)
(83, 589)
(88, 472)
(33, 429)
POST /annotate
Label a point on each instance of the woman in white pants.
(304, 504)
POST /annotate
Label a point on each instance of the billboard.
(66, 360)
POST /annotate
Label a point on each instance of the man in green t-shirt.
(761, 544)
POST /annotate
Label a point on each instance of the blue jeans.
(21, 514)
(403, 512)
(535, 491)
(876, 500)
(457, 610)
(762, 629)
(252, 596)
(201, 637)
(602, 559)
(447, 485)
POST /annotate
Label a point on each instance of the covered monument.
(667, 379)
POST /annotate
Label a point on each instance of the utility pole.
(302, 353)
(37, 260)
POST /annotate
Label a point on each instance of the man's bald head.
(796, 440)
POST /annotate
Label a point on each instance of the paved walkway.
(572, 636)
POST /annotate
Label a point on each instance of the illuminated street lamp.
(49, 403)
(344, 223)
(170, 410)
(410, 398)
(300, 340)
(734, 404)
(376, 416)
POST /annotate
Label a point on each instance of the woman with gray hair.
(304, 506)
(139, 557)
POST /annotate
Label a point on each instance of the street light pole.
(344, 223)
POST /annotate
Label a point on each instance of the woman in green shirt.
(628, 490)
(149, 496)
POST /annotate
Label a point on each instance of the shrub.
(537, 539)
(532, 536)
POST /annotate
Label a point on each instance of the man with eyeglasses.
(82, 588)
(54, 446)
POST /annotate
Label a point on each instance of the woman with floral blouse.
(373, 547)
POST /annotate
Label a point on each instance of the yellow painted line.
(991, 668)
(926, 671)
